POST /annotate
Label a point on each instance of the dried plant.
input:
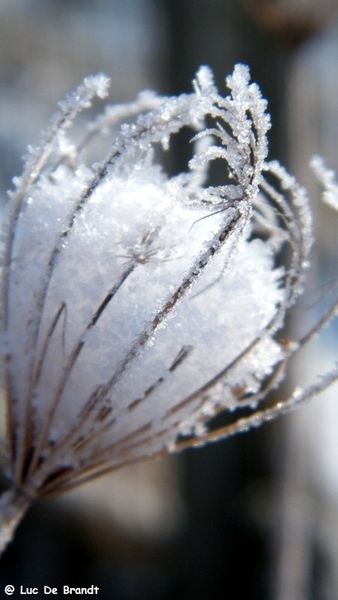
(136, 307)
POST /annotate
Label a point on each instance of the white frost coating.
(99, 84)
(136, 306)
(328, 180)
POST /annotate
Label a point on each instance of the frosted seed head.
(124, 289)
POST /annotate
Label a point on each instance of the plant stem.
(13, 505)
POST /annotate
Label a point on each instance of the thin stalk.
(13, 506)
(71, 363)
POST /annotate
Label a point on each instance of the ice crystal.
(137, 306)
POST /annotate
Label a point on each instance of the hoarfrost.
(137, 306)
(328, 180)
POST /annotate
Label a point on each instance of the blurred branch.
(291, 22)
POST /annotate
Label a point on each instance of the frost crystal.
(136, 306)
(328, 180)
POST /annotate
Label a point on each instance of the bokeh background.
(256, 516)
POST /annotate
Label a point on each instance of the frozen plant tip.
(136, 307)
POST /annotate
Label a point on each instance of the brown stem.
(13, 505)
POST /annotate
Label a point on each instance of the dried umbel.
(135, 307)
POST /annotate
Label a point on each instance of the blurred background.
(253, 517)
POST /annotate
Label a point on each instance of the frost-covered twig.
(328, 180)
(136, 306)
